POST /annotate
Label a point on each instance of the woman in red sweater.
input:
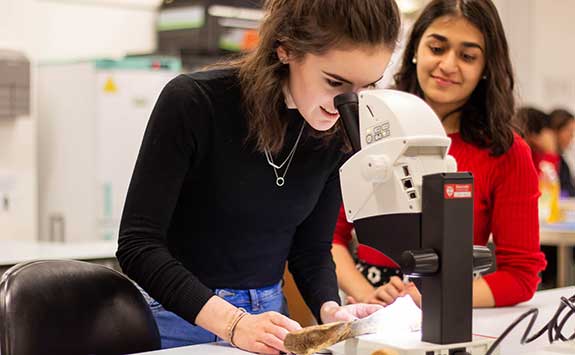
(457, 60)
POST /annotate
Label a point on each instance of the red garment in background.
(554, 159)
(342, 235)
(505, 205)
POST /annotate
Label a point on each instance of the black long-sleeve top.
(203, 210)
(565, 178)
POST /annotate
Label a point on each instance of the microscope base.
(411, 344)
(557, 348)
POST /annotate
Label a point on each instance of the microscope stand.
(411, 344)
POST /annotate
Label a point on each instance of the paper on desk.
(401, 316)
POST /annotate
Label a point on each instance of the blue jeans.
(175, 331)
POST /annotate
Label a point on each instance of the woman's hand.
(388, 293)
(395, 288)
(333, 312)
(263, 333)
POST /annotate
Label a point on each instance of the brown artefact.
(385, 352)
(309, 340)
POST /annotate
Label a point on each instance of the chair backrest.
(65, 307)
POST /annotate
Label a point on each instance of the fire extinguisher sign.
(453, 191)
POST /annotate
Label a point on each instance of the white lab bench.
(561, 235)
(13, 252)
(489, 322)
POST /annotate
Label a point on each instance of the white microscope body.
(401, 140)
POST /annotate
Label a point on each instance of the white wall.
(18, 180)
(541, 34)
(553, 53)
(57, 30)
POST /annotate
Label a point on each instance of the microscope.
(402, 192)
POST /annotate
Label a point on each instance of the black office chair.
(66, 307)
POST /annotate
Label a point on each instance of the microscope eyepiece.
(345, 98)
(347, 104)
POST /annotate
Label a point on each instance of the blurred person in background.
(534, 124)
(536, 128)
(562, 123)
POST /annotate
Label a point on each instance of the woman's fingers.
(263, 333)
(385, 297)
(285, 322)
(273, 341)
(364, 310)
(390, 291)
(397, 283)
(278, 332)
(376, 300)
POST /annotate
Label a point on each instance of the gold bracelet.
(233, 326)
(232, 321)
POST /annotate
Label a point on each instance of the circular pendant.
(280, 181)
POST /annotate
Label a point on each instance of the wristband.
(233, 324)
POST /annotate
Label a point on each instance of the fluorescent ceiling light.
(238, 23)
(235, 12)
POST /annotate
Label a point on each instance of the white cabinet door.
(125, 101)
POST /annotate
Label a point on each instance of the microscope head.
(401, 139)
(398, 114)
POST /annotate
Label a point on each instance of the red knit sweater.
(505, 205)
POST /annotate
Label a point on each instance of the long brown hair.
(304, 27)
(531, 121)
(486, 118)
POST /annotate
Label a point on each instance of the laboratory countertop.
(493, 321)
(13, 252)
(562, 233)
(490, 322)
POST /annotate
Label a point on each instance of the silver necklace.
(280, 179)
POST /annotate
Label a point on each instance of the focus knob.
(424, 262)
(482, 258)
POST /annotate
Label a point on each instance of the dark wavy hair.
(302, 27)
(559, 118)
(531, 120)
(486, 118)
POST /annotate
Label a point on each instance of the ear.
(282, 54)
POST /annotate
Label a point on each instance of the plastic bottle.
(550, 189)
